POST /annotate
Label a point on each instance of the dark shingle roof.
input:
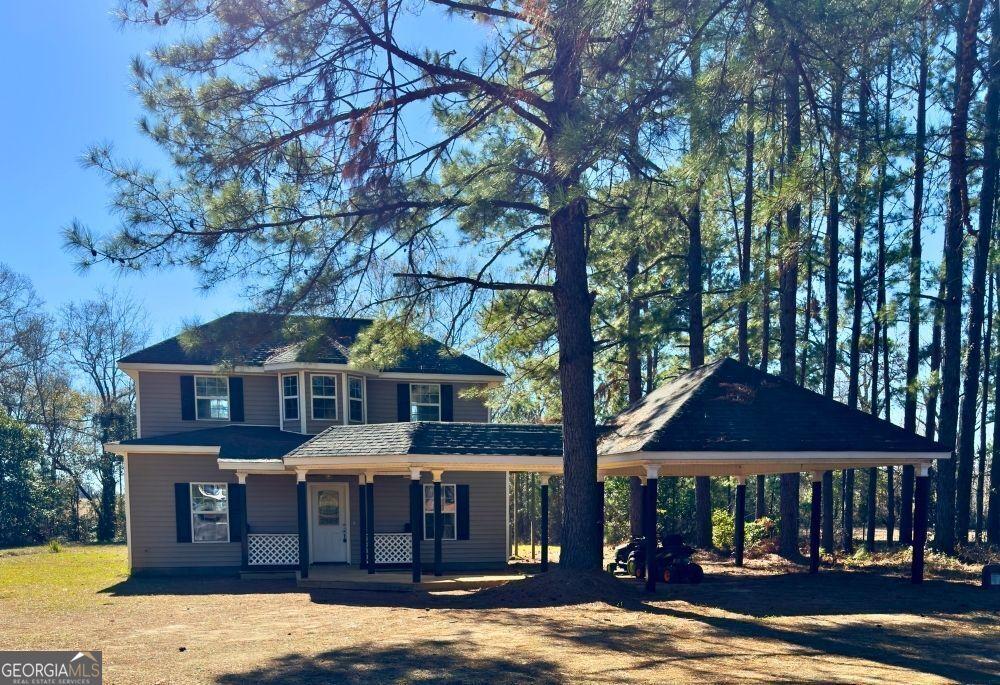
(234, 442)
(426, 437)
(254, 339)
(729, 406)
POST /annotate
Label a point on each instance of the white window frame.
(313, 396)
(284, 397)
(229, 527)
(444, 486)
(229, 404)
(364, 404)
(426, 404)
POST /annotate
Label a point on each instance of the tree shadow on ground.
(197, 585)
(410, 663)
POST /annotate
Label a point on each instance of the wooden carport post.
(815, 520)
(600, 512)
(740, 518)
(921, 494)
(303, 520)
(652, 471)
(543, 479)
(438, 518)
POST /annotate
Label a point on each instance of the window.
(425, 402)
(356, 397)
(448, 511)
(209, 512)
(211, 395)
(290, 397)
(324, 398)
(328, 509)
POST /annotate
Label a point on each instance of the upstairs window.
(211, 395)
(425, 402)
(290, 397)
(209, 512)
(356, 399)
(324, 398)
(449, 510)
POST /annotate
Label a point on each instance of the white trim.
(313, 396)
(364, 400)
(271, 369)
(302, 402)
(229, 399)
(922, 470)
(710, 456)
(817, 476)
(543, 479)
(229, 527)
(253, 465)
(740, 480)
(423, 508)
(300, 475)
(128, 510)
(241, 477)
(117, 448)
(426, 404)
(652, 471)
(282, 397)
(415, 474)
(138, 408)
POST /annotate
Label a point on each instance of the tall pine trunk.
(913, 300)
(977, 293)
(858, 293)
(789, 526)
(951, 362)
(832, 289)
(742, 332)
(981, 467)
(993, 497)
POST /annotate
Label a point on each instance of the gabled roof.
(729, 406)
(258, 339)
(431, 437)
(234, 442)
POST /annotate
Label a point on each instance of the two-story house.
(226, 472)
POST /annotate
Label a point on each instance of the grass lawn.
(766, 622)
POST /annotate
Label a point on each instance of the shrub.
(760, 534)
(723, 530)
(54, 546)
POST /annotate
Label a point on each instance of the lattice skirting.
(393, 548)
(273, 549)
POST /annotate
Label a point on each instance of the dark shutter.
(447, 403)
(236, 398)
(237, 493)
(187, 398)
(462, 505)
(402, 401)
(182, 509)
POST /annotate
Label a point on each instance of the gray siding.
(272, 504)
(160, 403)
(382, 403)
(152, 520)
(272, 508)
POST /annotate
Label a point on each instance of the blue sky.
(67, 85)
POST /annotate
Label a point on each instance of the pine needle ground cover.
(767, 622)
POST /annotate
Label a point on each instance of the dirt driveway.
(755, 625)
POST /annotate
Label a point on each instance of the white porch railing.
(272, 549)
(393, 548)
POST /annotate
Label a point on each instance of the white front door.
(329, 522)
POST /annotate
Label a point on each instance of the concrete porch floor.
(353, 578)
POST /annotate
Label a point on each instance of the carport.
(730, 419)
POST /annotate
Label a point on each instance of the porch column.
(438, 520)
(370, 516)
(362, 522)
(642, 508)
(303, 495)
(649, 531)
(600, 512)
(241, 479)
(921, 494)
(543, 478)
(740, 518)
(416, 521)
(815, 520)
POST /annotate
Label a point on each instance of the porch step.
(395, 582)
